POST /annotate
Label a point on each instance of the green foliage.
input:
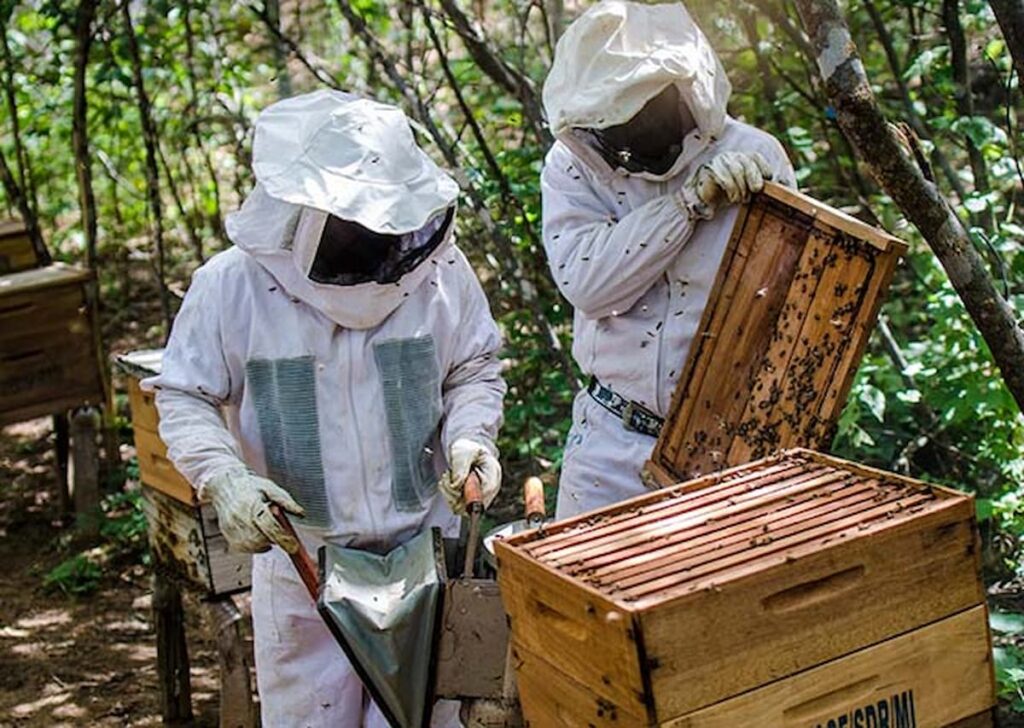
(123, 539)
(76, 576)
(1008, 629)
(124, 522)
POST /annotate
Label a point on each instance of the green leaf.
(1006, 622)
(874, 399)
(995, 49)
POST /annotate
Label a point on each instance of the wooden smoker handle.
(533, 498)
(308, 572)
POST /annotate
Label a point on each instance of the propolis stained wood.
(660, 606)
(184, 534)
(794, 302)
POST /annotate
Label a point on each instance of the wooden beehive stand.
(50, 361)
(799, 591)
(189, 552)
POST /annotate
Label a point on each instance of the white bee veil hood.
(330, 152)
(617, 56)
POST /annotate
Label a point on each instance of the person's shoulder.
(227, 265)
(563, 160)
(226, 273)
(741, 135)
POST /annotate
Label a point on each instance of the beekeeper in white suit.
(336, 361)
(639, 199)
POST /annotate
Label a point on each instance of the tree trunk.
(150, 140)
(964, 99)
(235, 660)
(489, 61)
(85, 462)
(80, 130)
(172, 664)
(284, 80)
(877, 144)
(938, 158)
(16, 195)
(20, 189)
(1010, 14)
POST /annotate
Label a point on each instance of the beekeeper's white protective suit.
(634, 260)
(346, 396)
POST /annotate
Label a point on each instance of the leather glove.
(465, 456)
(732, 176)
(242, 501)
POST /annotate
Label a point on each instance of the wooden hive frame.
(797, 293)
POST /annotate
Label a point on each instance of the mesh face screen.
(350, 254)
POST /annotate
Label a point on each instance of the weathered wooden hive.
(49, 347)
(795, 299)
(800, 590)
(183, 533)
(16, 251)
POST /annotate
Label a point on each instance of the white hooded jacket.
(347, 396)
(622, 247)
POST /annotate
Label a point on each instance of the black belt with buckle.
(634, 416)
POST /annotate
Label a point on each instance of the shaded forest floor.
(67, 660)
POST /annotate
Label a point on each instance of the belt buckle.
(627, 415)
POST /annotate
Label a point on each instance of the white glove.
(242, 501)
(733, 176)
(465, 456)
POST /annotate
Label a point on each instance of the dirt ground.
(87, 661)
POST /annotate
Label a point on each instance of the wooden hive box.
(783, 593)
(16, 251)
(49, 345)
(791, 310)
(183, 533)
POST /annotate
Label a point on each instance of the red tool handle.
(473, 493)
(533, 497)
(308, 572)
(474, 496)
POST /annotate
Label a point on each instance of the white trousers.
(602, 460)
(303, 676)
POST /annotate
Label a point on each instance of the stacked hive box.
(16, 251)
(183, 533)
(49, 348)
(799, 590)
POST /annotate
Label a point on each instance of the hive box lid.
(55, 274)
(795, 299)
(141, 363)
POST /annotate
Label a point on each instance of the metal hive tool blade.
(385, 610)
